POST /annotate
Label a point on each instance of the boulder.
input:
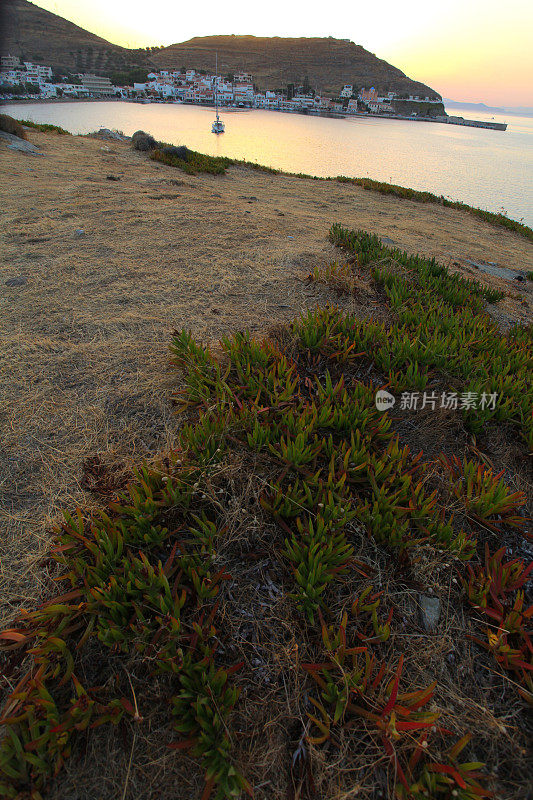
(14, 143)
(107, 133)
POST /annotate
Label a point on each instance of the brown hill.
(274, 62)
(34, 34)
(37, 35)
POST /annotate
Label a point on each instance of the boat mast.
(216, 83)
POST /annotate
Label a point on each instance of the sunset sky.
(474, 50)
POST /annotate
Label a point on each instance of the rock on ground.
(15, 143)
(429, 612)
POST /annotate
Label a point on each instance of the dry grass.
(85, 393)
(83, 362)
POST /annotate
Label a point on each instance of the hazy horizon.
(478, 52)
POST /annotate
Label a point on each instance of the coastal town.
(26, 80)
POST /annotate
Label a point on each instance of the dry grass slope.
(83, 358)
(228, 576)
(263, 582)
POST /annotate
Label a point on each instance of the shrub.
(10, 125)
(172, 151)
(143, 141)
(44, 127)
(190, 161)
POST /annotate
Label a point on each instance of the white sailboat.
(217, 126)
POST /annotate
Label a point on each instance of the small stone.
(79, 232)
(19, 281)
(112, 178)
(429, 611)
(290, 237)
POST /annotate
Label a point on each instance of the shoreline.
(465, 122)
(49, 100)
(384, 187)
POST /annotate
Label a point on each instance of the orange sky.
(475, 50)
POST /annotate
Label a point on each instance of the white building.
(73, 89)
(243, 92)
(322, 102)
(347, 90)
(303, 101)
(287, 105)
(37, 73)
(272, 100)
(164, 89)
(14, 73)
(12, 76)
(416, 99)
(9, 62)
(352, 106)
(48, 90)
(226, 94)
(97, 85)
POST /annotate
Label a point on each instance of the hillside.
(34, 34)
(37, 35)
(274, 62)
